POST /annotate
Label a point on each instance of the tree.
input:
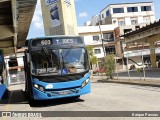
(139, 72)
(109, 65)
(93, 59)
(90, 50)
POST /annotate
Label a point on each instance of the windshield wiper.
(63, 65)
(45, 51)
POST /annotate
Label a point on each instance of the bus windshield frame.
(59, 61)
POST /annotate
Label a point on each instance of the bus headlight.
(40, 88)
(85, 83)
(36, 86)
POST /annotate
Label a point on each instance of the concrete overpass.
(15, 19)
(148, 34)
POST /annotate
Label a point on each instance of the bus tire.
(26, 92)
(30, 98)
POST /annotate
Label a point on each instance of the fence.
(16, 77)
(138, 64)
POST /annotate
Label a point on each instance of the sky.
(85, 9)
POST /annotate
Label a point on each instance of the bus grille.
(71, 91)
(62, 78)
(62, 89)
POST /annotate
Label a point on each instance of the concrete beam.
(8, 51)
(6, 31)
(14, 14)
(140, 36)
(152, 54)
(4, 0)
(15, 22)
(6, 43)
(25, 13)
(154, 38)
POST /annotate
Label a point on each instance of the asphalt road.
(104, 97)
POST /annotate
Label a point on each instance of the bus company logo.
(6, 114)
(50, 86)
(48, 2)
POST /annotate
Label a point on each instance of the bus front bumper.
(70, 92)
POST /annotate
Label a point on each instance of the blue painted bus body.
(69, 58)
(73, 88)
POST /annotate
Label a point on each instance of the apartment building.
(121, 18)
(95, 20)
(93, 36)
(128, 13)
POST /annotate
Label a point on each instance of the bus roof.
(55, 36)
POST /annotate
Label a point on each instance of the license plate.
(63, 93)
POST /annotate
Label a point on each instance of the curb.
(130, 83)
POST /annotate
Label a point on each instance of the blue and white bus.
(56, 67)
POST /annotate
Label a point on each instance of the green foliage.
(139, 72)
(90, 50)
(93, 59)
(109, 65)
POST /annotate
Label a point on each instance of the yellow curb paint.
(8, 106)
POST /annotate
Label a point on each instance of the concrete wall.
(67, 23)
(88, 40)
(100, 55)
(104, 12)
(95, 29)
(20, 59)
(107, 20)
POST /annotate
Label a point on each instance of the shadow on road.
(18, 97)
(55, 102)
(15, 97)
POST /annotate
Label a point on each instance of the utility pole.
(102, 40)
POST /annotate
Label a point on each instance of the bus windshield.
(59, 61)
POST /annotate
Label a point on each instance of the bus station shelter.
(15, 19)
(149, 34)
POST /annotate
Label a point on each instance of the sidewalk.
(154, 82)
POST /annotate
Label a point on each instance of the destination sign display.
(56, 41)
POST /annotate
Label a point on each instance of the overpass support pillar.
(152, 54)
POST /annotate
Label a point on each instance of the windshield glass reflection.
(60, 61)
(74, 60)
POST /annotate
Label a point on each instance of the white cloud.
(83, 14)
(38, 25)
(36, 18)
